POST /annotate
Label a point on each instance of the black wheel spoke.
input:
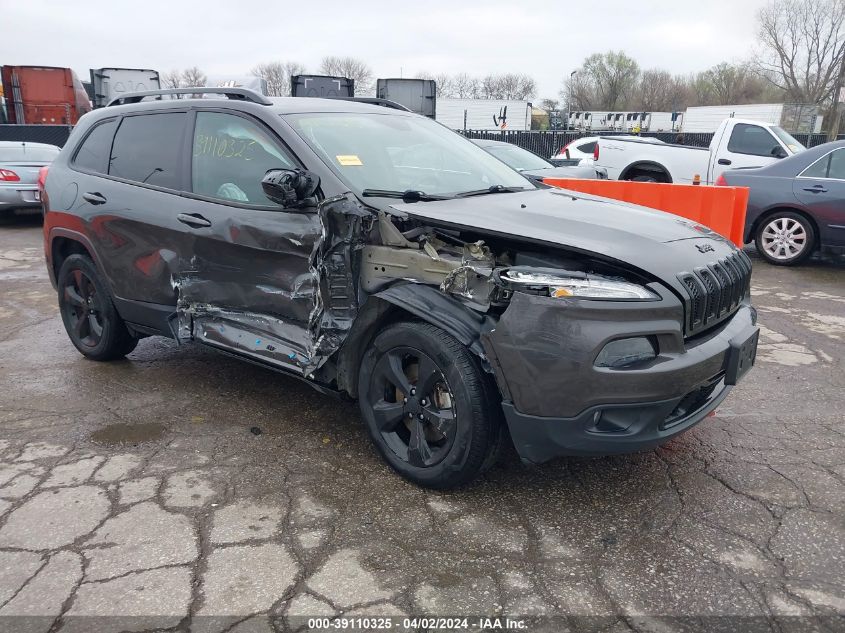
(388, 415)
(94, 326)
(394, 372)
(443, 420)
(80, 328)
(419, 452)
(428, 375)
(78, 280)
(73, 297)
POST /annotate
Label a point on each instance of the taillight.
(596, 152)
(720, 181)
(7, 175)
(42, 177)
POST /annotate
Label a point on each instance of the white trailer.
(111, 83)
(789, 116)
(484, 114)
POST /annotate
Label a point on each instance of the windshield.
(787, 139)
(29, 154)
(400, 153)
(518, 158)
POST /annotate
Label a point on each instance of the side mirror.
(290, 187)
(779, 152)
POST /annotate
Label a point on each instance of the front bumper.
(19, 196)
(557, 402)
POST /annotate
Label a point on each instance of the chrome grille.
(715, 291)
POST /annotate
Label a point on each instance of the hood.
(569, 171)
(658, 243)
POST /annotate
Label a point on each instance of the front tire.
(88, 313)
(428, 406)
(785, 238)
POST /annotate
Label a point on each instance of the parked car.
(376, 253)
(737, 143)
(20, 164)
(584, 148)
(531, 165)
(795, 206)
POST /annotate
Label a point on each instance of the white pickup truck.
(736, 143)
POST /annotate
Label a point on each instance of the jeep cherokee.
(374, 252)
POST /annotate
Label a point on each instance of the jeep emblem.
(704, 248)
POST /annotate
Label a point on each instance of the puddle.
(128, 433)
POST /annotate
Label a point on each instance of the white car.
(584, 148)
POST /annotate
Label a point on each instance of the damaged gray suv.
(373, 252)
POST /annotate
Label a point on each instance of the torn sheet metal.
(291, 294)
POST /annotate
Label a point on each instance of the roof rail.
(387, 103)
(238, 94)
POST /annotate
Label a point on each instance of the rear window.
(28, 154)
(93, 154)
(147, 149)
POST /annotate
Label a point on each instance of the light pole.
(569, 101)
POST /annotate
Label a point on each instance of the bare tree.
(172, 79)
(607, 81)
(465, 86)
(803, 44)
(733, 83)
(193, 76)
(655, 91)
(443, 82)
(549, 104)
(353, 68)
(277, 75)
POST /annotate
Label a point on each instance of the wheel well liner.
(392, 304)
(752, 230)
(645, 165)
(63, 245)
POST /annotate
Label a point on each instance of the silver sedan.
(20, 163)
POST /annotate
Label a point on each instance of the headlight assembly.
(556, 283)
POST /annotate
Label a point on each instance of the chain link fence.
(547, 143)
(51, 134)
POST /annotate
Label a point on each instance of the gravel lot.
(184, 489)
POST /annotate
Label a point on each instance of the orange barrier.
(719, 208)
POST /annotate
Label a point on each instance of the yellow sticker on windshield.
(348, 160)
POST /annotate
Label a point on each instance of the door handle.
(193, 219)
(94, 197)
(816, 189)
(724, 161)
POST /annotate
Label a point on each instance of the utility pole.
(569, 101)
(837, 94)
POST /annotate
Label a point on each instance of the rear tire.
(429, 407)
(88, 313)
(785, 238)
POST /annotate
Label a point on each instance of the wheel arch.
(399, 302)
(63, 244)
(645, 165)
(752, 230)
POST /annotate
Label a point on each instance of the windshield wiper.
(490, 189)
(409, 195)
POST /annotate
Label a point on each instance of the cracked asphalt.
(182, 489)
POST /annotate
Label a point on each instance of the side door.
(129, 199)
(748, 145)
(821, 190)
(246, 284)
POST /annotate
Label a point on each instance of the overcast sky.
(545, 39)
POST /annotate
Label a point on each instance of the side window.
(147, 149)
(817, 169)
(587, 148)
(837, 165)
(230, 157)
(93, 154)
(752, 139)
